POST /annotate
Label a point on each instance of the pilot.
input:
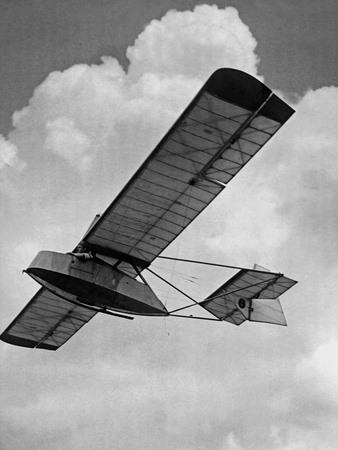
(83, 251)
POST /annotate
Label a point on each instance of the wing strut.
(170, 284)
(195, 317)
(217, 265)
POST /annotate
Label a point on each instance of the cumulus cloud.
(63, 138)
(305, 154)
(319, 372)
(231, 443)
(88, 112)
(213, 36)
(10, 163)
(313, 405)
(8, 153)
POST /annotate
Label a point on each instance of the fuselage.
(94, 282)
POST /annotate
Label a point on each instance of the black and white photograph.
(169, 225)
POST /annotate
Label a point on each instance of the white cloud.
(87, 112)
(326, 358)
(319, 373)
(310, 419)
(67, 141)
(10, 165)
(214, 38)
(306, 154)
(231, 443)
(8, 153)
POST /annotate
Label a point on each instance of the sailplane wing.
(46, 322)
(226, 124)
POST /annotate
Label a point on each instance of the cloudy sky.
(88, 88)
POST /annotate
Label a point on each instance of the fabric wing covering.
(47, 322)
(250, 295)
(226, 124)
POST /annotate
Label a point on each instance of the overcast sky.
(88, 88)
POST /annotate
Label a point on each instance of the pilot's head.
(82, 247)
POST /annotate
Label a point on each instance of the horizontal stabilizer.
(250, 295)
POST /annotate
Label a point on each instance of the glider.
(225, 125)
